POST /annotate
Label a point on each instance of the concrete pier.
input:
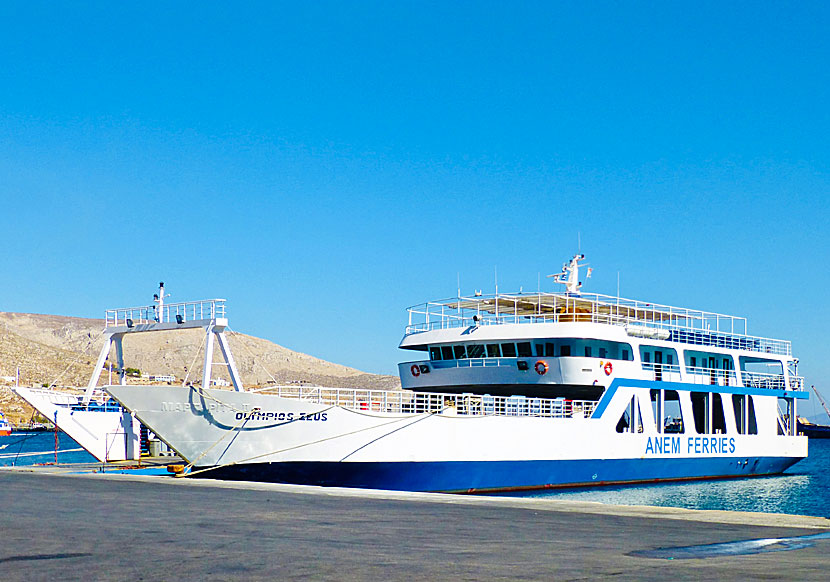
(56, 524)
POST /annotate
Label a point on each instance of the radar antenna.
(570, 274)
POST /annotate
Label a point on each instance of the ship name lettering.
(699, 445)
(663, 445)
(282, 416)
(710, 445)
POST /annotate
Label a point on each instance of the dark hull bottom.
(484, 476)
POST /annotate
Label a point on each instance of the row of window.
(567, 347)
(694, 359)
(604, 349)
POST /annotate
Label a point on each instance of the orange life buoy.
(541, 367)
(416, 371)
(608, 368)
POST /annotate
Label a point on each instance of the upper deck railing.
(406, 402)
(641, 319)
(168, 313)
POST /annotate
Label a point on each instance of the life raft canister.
(541, 367)
(608, 368)
(416, 371)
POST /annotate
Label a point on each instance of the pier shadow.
(35, 557)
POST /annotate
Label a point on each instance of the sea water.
(33, 448)
(803, 489)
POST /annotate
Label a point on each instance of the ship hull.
(260, 437)
(494, 476)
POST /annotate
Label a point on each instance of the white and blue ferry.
(509, 392)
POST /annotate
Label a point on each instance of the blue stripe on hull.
(497, 475)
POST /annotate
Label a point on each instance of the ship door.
(658, 368)
(713, 374)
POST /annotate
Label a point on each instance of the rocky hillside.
(52, 349)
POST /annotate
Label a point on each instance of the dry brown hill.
(62, 350)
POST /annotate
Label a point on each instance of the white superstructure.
(573, 345)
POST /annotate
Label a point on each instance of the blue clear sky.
(325, 165)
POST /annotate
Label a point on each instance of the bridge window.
(434, 353)
(549, 349)
(524, 350)
(460, 352)
(475, 351)
(565, 350)
(446, 353)
(508, 350)
(493, 351)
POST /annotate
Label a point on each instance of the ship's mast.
(570, 275)
(159, 300)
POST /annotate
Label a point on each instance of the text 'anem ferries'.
(694, 445)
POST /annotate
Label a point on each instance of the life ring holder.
(416, 371)
(541, 367)
(608, 368)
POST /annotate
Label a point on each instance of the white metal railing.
(406, 402)
(684, 325)
(773, 381)
(665, 372)
(169, 313)
(712, 376)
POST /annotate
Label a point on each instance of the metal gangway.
(209, 314)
